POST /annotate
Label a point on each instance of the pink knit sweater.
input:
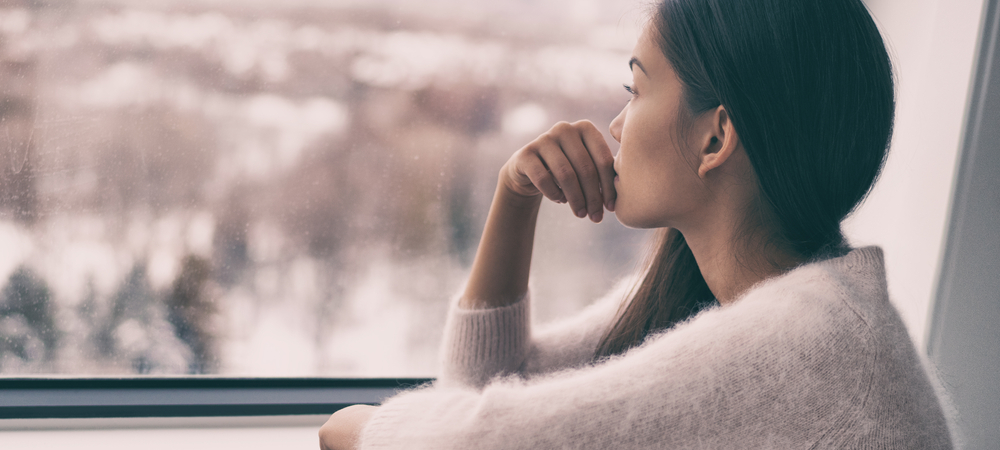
(816, 358)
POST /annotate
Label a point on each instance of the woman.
(753, 130)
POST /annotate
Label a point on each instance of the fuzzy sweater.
(816, 358)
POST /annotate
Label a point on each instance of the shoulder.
(811, 325)
(843, 294)
(832, 295)
(791, 357)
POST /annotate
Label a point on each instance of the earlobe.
(721, 143)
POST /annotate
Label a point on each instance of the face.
(657, 183)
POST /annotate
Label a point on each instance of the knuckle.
(587, 170)
(546, 138)
(561, 127)
(541, 178)
(527, 152)
(562, 172)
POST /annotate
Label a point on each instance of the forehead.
(647, 51)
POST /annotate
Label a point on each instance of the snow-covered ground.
(320, 167)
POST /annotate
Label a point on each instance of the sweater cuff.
(385, 428)
(480, 344)
(421, 418)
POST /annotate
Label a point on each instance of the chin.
(638, 219)
(627, 218)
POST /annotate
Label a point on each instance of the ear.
(719, 141)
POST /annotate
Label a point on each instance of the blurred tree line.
(411, 173)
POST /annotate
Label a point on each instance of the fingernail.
(581, 213)
(611, 205)
(595, 217)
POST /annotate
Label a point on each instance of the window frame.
(133, 397)
(202, 396)
(963, 330)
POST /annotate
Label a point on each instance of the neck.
(730, 264)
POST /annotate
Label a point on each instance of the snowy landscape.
(241, 189)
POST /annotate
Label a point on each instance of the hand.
(570, 163)
(342, 430)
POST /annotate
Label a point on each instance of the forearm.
(602, 406)
(500, 271)
(571, 164)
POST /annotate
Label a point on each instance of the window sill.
(76, 398)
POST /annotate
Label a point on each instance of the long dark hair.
(808, 86)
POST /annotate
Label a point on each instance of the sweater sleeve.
(482, 344)
(730, 378)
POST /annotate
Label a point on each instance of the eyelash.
(630, 89)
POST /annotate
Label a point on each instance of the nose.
(617, 124)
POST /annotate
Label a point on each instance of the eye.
(630, 90)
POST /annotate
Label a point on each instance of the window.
(279, 190)
(296, 189)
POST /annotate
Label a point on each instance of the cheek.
(642, 185)
(657, 187)
(637, 204)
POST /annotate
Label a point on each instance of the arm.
(571, 163)
(479, 344)
(488, 331)
(572, 341)
(730, 378)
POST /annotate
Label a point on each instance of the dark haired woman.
(754, 128)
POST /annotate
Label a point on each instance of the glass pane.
(255, 189)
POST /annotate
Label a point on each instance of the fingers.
(585, 171)
(565, 175)
(538, 173)
(580, 161)
(571, 163)
(603, 161)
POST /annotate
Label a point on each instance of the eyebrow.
(635, 62)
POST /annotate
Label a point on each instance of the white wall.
(933, 45)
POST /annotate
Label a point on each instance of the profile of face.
(659, 182)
